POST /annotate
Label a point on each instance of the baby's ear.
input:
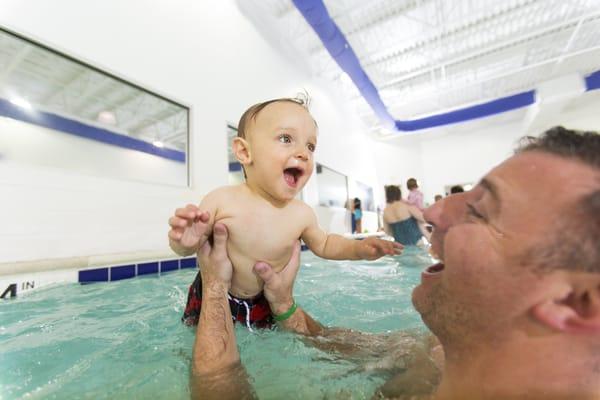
(241, 150)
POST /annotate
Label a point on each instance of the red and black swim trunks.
(250, 312)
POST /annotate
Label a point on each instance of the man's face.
(485, 285)
(282, 140)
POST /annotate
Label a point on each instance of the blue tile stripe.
(127, 271)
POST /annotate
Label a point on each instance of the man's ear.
(579, 312)
(241, 150)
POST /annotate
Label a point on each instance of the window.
(61, 112)
(332, 187)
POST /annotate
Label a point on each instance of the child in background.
(415, 197)
(275, 145)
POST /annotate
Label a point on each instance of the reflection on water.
(125, 340)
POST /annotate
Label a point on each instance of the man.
(515, 300)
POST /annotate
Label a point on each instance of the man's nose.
(447, 212)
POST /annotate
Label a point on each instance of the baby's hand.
(189, 227)
(373, 248)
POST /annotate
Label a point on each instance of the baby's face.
(282, 139)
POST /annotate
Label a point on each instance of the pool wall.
(12, 285)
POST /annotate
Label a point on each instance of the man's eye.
(471, 211)
(285, 138)
(311, 147)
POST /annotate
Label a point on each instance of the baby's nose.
(302, 154)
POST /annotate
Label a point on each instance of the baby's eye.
(311, 147)
(285, 138)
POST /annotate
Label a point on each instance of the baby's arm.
(191, 226)
(337, 247)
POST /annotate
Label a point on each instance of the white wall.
(205, 56)
(465, 157)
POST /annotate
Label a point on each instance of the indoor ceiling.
(428, 57)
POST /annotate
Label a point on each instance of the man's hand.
(280, 285)
(214, 262)
(373, 248)
(189, 229)
(278, 291)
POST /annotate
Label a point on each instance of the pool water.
(124, 340)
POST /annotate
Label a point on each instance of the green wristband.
(287, 314)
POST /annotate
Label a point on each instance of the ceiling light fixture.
(107, 117)
(20, 102)
(158, 144)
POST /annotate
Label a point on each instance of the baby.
(275, 145)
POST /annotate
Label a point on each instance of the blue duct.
(315, 13)
(497, 106)
(333, 39)
(592, 81)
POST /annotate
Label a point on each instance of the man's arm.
(421, 375)
(217, 372)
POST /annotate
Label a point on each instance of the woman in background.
(400, 218)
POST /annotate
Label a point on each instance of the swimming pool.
(124, 340)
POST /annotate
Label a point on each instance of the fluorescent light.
(158, 143)
(20, 102)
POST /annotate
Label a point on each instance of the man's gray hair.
(575, 242)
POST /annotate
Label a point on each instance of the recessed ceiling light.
(158, 143)
(107, 117)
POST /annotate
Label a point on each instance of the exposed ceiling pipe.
(317, 16)
(333, 39)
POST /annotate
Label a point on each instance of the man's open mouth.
(292, 175)
(435, 268)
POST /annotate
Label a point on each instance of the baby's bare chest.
(261, 235)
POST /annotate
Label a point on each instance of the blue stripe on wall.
(66, 125)
(235, 166)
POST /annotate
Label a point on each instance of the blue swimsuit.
(407, 231)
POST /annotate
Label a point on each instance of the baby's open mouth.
(292, 175)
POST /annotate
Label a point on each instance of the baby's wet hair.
(302, 99)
